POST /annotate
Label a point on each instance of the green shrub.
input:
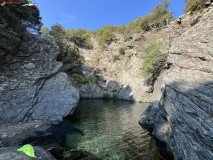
(58, 33)
(121, 29)
(106, 96)
(44, 31)
(96, 57)
(115, 57)
(114, 96)
(89, 80)
(134, 26)
(152, 55)
(121, 50)
(80, 37)
(78, 78)
(76, 59)
(81, 80)
(127, 38)
(158, 18)
(75, 56)
(96, 74)
(194, 5)
(105, 35)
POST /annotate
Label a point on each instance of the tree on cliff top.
(194, 5)
(44, 31)
(81, 37)
(158, 18)
(14, 20)
(58, 33)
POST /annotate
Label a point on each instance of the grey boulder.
(11, 153)
(32, 86)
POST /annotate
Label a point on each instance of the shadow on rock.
(182, 118)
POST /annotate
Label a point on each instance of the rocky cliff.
(181, 111)
(32, 86)
(118, 74)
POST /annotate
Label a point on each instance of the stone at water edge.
(11, 153)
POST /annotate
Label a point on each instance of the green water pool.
(109, 130)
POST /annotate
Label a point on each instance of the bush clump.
(81, 37)
(127, 38)
(89, 80)
(106, 96)
(121, 50)
(158, 18)
(115, 57)
(74, 55)
(75, 59)
(44, 32)
(71, 52)
(127, 30)
(195, 5)
(78, 78)
(152, 56)
(105, 35)
(81, 80)
(96, 57)
(58, 33)
(114, 96)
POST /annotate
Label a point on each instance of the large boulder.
(11, 153)
(32, 86)
(181, 113)
(56, 99)
(91, 91)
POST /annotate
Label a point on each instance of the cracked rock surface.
(32, 86)
(182, 110)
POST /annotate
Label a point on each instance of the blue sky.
(93, 14)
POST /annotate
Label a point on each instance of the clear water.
(107, 129)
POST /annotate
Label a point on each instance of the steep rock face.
(181, 112)
(32, 87)
(120, 76)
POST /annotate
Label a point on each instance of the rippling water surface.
(107, 129)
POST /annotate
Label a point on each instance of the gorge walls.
(118, 74)
(181, 111)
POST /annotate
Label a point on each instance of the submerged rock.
(11, 153)
(74, 155)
